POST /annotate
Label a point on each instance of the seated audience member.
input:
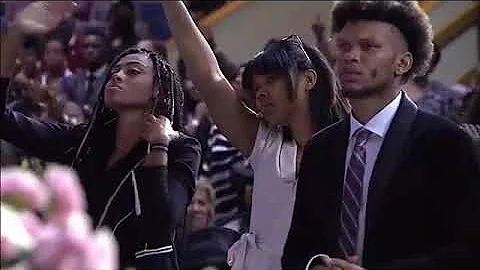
(206, 245)
(432, 95)
(55, 60)
(121, 27)
(201, 210)
(56, 69)
(23, 95)
(84, 86)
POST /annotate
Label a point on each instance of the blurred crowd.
(58, 78)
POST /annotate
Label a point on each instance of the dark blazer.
(74, 88)
(423, 202)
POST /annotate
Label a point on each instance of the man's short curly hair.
(406, 16)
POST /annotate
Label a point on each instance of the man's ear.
(310, 79)
(403, 64)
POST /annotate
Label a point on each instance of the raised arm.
(228, 112)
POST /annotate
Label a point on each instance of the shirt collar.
(380, 122)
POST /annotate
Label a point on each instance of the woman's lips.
(114, 88)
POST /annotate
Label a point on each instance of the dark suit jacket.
(423, 203)
(74, 88)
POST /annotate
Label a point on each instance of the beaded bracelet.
(159, 147)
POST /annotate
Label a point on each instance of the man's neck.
(365, 109)
(414, 91)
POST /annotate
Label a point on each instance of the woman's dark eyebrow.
(135, 62)
(131, 62)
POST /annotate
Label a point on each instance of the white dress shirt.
(378, 125)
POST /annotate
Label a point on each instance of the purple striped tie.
(353, 193)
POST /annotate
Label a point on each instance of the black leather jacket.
(143, 206)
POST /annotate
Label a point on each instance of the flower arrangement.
(44, 224)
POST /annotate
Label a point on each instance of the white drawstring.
(138, 208)
(110, 200)
(325, 259)
(137, 199)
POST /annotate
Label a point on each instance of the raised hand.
(43, 16)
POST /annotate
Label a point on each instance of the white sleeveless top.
(274, 165)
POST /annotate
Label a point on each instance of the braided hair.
(167, 100)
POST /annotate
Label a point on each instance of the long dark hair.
(167, 100)
(286, 58)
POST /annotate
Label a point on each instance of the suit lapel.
(333, 186)
(339, 153)
(391, 153)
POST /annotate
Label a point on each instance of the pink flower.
(23, 189)
(59, 248)
(32, 223)
(50, 250)
(67, 240)
(67, 192)
(15, 238)
(77, 229)
(102, 254)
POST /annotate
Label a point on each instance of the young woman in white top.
(295, 91)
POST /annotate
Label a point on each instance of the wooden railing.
(458, 26)
(215, 16)
(471, 77)
(225, 10)
(453, 30)
(428, 6)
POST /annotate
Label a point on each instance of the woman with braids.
(295, 92)
(136, 167)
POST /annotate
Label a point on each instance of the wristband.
(159, 147)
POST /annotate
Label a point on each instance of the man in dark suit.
(389, 187)
(84, 86)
